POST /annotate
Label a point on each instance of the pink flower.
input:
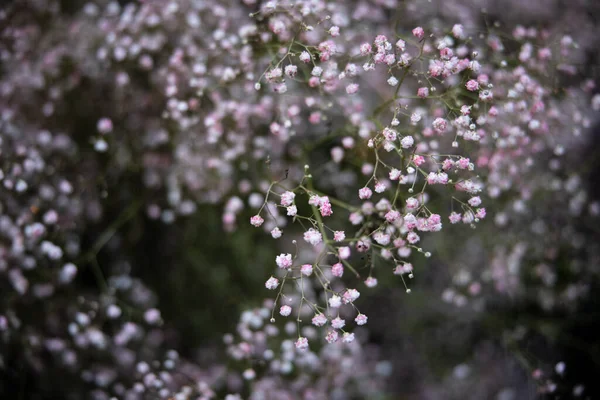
(360, 319)
(306, 269)
(332, 337)
(440, 124)
(380, 40)
(432, 178)
(412, 203)
(418, 32)
(410, 221)
(392, 216)
(446, 53)
(380, 187)
(292, 211)
(483, 79)
(486, 95)
(474, 201)
(313, 82)
(344, 252)
(422, 225)
(319, 320)
(348, 337)
(480, 213)
(313, 236)
(423, 92)
(337, 154)
(399, 242)
(338, 323)
(544, 53)
(355, 218)
(291, 70)
(285, 310)
(257, 220)
(442, 178)
(418, 160)
(454, 217)
(352, 88)
(468, 217)
(274, 74)
(365, 49)
(436, 68)
(325, 207)
(348, 142)
(305, 56)
(287, 198)
(407, 142)
(447, 164)
(350, 295)
(272, 283)
(104, 125)
(402, 269)
(468, 186)
(415, 117)
(434, 222)
(463, 163)
(339, 236)
(337, 269)
(381, 238)
(363, 246)
(365, 193)
(276, 233)
(335, 301)
(314, 200)
(389, 60)
(326, 48)
(314, 117)
(390, 134)
(401, 45)
(475, 288)
(302, 343)
(280, 88)
(371, 282)
(412, 237)
(458, 31)
(284, 260)
(472, 85)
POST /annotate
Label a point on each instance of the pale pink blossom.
(339, 236)
(306, 269)
(272, 283)
(285, 310)
(257, 220)
(302, 343)
(284, 260)
(418, 32)
(365, 193)
(337, 269)
(361, 319)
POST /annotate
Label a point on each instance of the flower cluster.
(289, 366)
(415, 164)
(361, 143)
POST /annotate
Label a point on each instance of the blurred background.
(497, 312)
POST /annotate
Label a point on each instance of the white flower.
(335, 301)
(272, 283)
(284, 260)
(407, 142)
